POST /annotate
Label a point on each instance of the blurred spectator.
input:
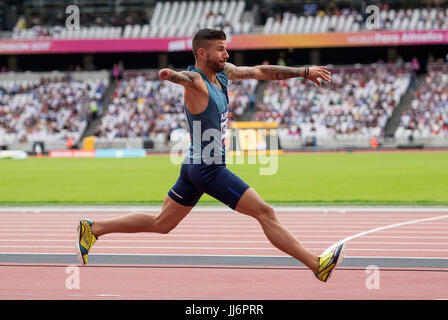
(428, 114)
(117, 72)
(390, 18)
(351, 17)
(357, 101)
(415, 65)
(48, 109)
(143, 106)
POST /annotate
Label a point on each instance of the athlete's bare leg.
(170, 216)
(253, 205)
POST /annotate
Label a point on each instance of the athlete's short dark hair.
(203, 35)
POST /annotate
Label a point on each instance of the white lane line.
(125, 237)
(251, 226)
(154, 236)
(234, 225)
(38, 209)
(298, 232)
(331, 248)
(207, 255)
(293, 220)
(152, 241)
(219, 248)
(222, 241)
(215, 214)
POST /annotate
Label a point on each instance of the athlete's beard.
(213, 65)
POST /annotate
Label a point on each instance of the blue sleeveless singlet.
(208, 128)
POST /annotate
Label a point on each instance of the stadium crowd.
(357, 101)
(110, 24)
(50, 25)
(428, 113)
(143, 106)
(343, 19)
(48, 109)
(354, 19)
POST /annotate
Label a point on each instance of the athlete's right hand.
(164, 74)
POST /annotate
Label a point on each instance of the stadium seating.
(169, 19)
(352, 21)
(178, 19)
(47, 108)
(143, 106)
(357, 103)
(427, 115)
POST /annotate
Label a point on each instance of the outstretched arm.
(185, 78)
(268, 72)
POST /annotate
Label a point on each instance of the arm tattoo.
(263, 72)
(236, 73)
(279, 72)
(183, 78)
(244, 73)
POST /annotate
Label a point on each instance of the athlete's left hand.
(319, 72)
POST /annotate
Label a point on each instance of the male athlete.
(204, 169)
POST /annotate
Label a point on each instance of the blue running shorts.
(215, 180)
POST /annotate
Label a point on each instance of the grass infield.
(419, 178)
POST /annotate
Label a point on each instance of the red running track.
(227, 233)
